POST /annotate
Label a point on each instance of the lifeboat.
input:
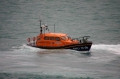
(52, 40)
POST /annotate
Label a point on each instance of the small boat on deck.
(52, 40)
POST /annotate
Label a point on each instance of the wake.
(25, 48)
(114, 48)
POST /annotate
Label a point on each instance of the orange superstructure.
(54, 40)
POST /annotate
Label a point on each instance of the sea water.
(99, 19)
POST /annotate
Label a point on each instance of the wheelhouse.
(54, 39)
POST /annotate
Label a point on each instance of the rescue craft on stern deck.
(49, 40)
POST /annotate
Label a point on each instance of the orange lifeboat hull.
(77, 47)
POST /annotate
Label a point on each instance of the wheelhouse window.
(46, 38)
(57, 38)
(63, 38)
(67, 37)
(51, 38)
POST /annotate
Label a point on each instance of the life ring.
(28, 39)
(34, 38)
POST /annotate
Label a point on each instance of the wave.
(114, 48)
(36, 76)
(106, 47)
(25, 48)
(45, 76)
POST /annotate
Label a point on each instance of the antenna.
(54, 28)
(40, 26)
(40, 21)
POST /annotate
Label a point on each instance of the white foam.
(115, 48)
(24, 47)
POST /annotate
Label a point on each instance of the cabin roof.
(55, 34)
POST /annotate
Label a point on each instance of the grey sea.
(99, 19)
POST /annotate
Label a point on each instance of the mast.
(54, 28)
(40, 27)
